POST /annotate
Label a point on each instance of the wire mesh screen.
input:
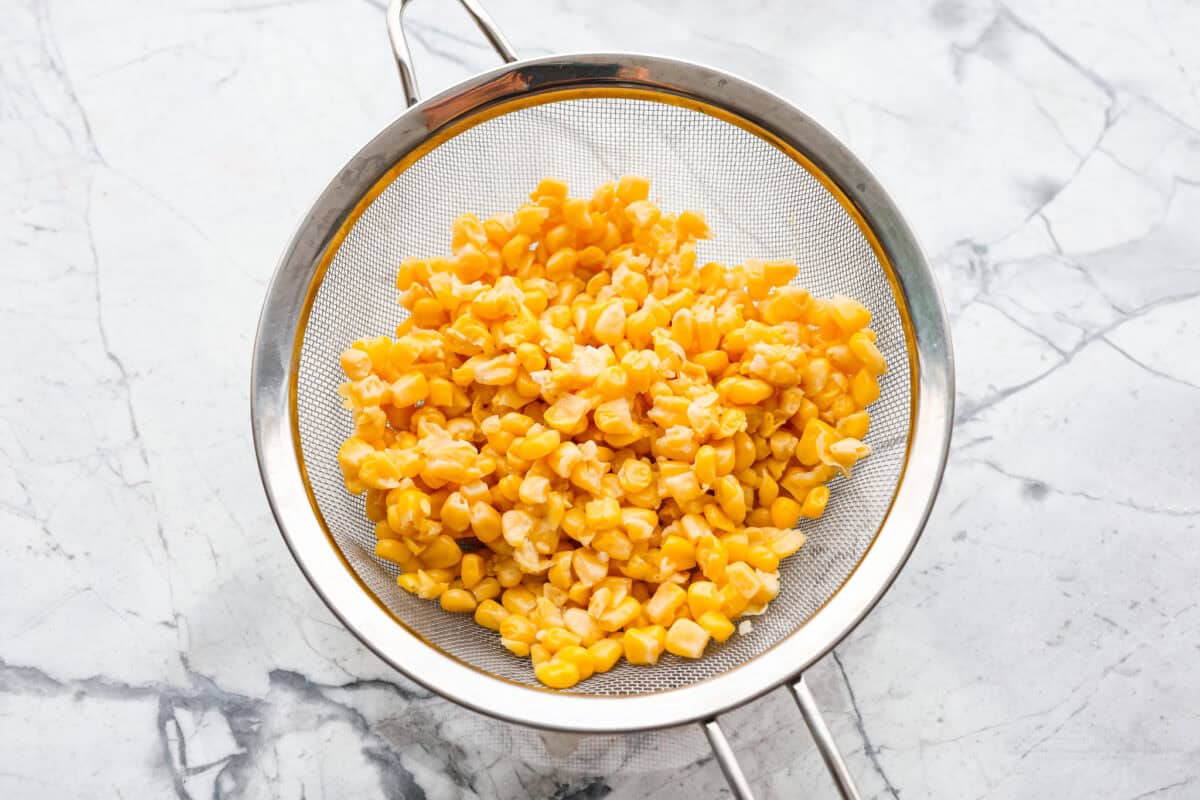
(760, 203)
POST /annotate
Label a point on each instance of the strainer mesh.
(759, 202)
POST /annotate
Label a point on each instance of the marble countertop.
(156, 639)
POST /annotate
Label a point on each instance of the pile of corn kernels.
(594, 444)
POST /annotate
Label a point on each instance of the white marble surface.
(156, 639)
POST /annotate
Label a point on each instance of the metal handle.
(395, 26)
(728, 762)
(824, 739)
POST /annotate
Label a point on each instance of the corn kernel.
(487, 589)
(686, 638)
(864, 388)
(644, 645)
(442, 552)
(716, 624)
(605, 654)
(459, 601)
(703, 596)
(490, 614)
(815, 502)
(578, 656)
(557, 674)
(603, 513)
(519, 600)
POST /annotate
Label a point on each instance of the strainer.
(773, 185)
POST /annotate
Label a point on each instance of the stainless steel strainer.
(773, 185)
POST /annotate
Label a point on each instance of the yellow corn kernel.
(716, 624)
(613, 543)
(557, 673)
(620, 615)
(605, 654)
(854, 426)
(811, 441)
(508, 574)
(487, 589)
(615, 417)
(562, 263)
(537, 444)
(743, 578)
(762, 557)
(687, 639)
(666, 601)
(680, 551)
(519, 600)
(712, 557)
(847, 452)
(768, 588)
(703, 596)
(786, 542)
(714, 362)
(735, 602)
(744, 391)
(644, 645)
(864, 388)
(355, 363)
(575, 213)
(865, 350)
(515, 526)
(559, 573)
(456, 512)
(442, 553)
(378, 471)
(759, 517)
(395, 551)
(785, 512)
(850, 315)
(566, 413)
(706, 465)
(632, 188)
(472, 569)
(683, 487)
(534, 490)
(603, 513)
(635, 476)
(581, 623)
(768, 490)
(574, 524)
(485, 521)
(539, 654)
(588, 565)
(490, 614)
(737, 545)
(458, 601)
(518, 628)
(609, 327)
(565, 458)
(408, 390)
(815, 502)
(578, 656)
(556, 638)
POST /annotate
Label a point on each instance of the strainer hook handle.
(395, 26)
(821, 734)
(824, 739)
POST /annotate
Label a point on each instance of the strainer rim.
(271, 414)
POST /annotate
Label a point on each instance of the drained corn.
(592, 442)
